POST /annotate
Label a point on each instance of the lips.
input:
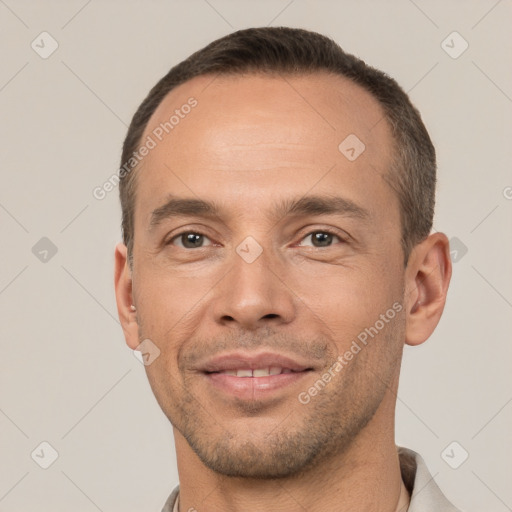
(257, 372)
(254, 376)
(236, 361)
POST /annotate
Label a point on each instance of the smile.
(257, 372)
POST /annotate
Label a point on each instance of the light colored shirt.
(425, 494)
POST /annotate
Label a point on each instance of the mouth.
(257, 372)
(254, 377)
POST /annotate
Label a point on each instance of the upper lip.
(244, 360)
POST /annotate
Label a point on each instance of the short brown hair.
(292, 51)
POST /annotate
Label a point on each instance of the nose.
(254, 295)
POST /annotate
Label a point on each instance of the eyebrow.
(307, 205)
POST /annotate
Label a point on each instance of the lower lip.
(254, 388)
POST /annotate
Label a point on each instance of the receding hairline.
(201, 82)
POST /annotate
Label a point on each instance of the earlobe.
(124, 297)
(427, 279)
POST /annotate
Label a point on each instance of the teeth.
(257, 372)
(261, 372)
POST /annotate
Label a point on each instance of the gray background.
(68, 378)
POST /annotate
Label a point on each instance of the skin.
(251, 142)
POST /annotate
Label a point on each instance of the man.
(277, 198)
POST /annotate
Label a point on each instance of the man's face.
(253, 147)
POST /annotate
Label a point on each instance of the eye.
(189, 240)
(321, 238)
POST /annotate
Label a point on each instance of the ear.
(428, 274)
(124, 297)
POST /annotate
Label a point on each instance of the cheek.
(168, 297)
(344, 297)
(172, 308)
(346, 304)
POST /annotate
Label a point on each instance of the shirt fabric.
(425, 494)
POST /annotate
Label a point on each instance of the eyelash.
(327, 231)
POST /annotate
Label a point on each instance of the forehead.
(255, 135)
(327, 103)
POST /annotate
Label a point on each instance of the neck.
(366, 477)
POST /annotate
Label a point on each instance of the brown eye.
(189, 240)
(321, 238)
